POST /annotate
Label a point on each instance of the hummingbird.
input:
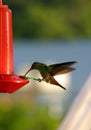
(48, 72)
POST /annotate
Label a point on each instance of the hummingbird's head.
(35, 65)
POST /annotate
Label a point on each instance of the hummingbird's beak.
(27, 71)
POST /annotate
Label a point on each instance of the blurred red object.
(9, 82)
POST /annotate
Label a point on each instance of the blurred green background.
(20, 111)
(51, 22)
(51, 19)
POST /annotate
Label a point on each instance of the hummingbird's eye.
(34, 64)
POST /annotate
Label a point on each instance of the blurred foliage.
(43, 19)
(20, 112)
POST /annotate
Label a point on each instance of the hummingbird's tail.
(54, 82)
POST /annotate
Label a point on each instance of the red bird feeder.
(9, 82)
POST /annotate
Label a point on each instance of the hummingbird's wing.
(54, 82)
(61, 68)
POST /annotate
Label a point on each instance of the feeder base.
(11, 83)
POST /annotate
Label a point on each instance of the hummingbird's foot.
(39, 79)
